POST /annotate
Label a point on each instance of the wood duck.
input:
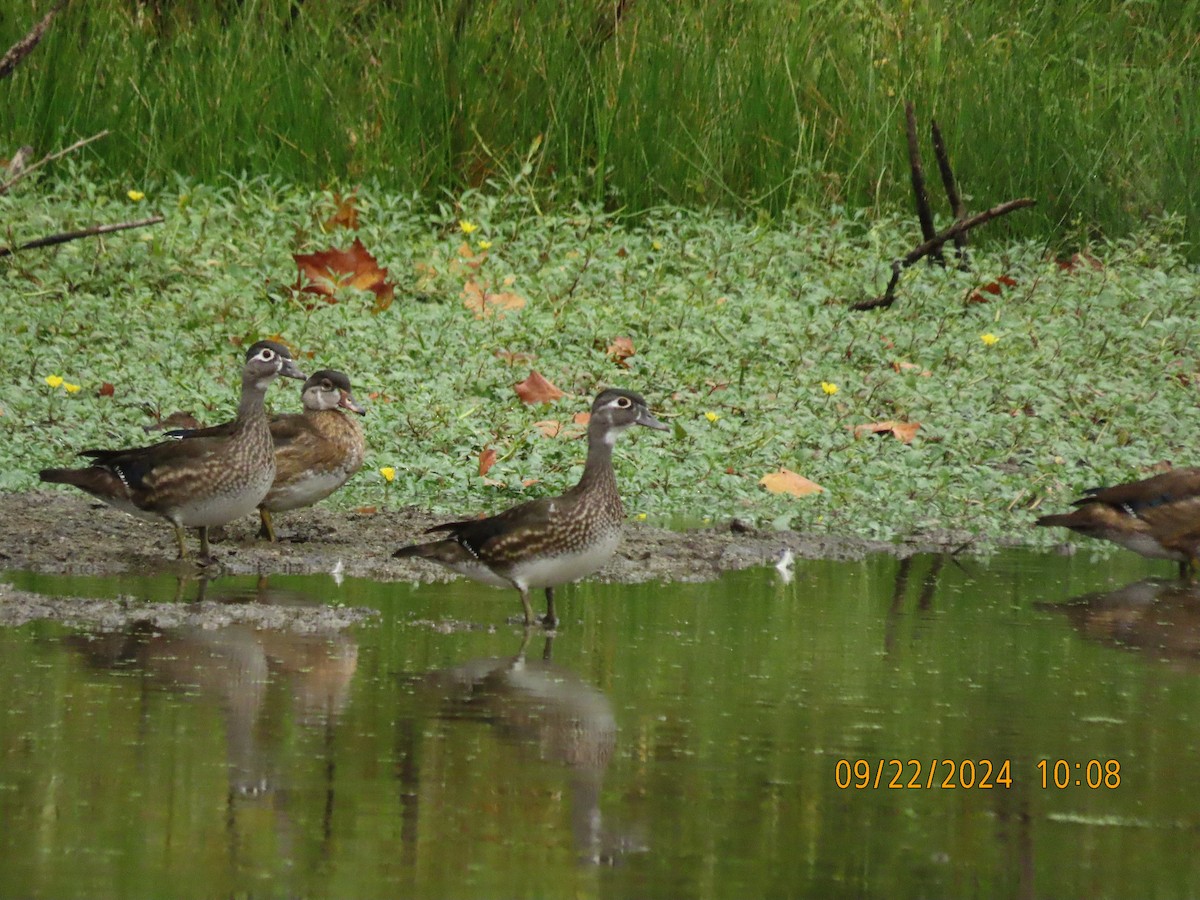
(316, 452)
(1158, 517)
(552, 540)
(200, 482)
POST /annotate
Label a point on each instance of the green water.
(683, 741)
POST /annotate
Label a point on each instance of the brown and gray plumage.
(316, 451)
(200, 482)
(553, 540)
(1158, 517)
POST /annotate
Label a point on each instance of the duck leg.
(181, 541)
(268, 527)
(525, 603)
(204, 551)
(550, 620)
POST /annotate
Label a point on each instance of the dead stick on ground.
(920, 194)
(51, 157)
(82, 233)
(25, 45)
(934, 243)
(956, 204)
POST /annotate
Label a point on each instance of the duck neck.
(598, 470)
(252, 405)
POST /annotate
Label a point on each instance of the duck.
(1157, 517)
(201, 482)
(550, 541)
(316, 451)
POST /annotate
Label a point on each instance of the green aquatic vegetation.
(1066, 378)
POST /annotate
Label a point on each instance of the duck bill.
(291, 370)
(644, 418)
(347, 402)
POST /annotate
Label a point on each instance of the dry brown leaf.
(581, 418)
(785, 481)
(620, 350)
(327, 272)
(536, 389)
(902, 431)
(548, 427)
(478, 299)
(513, 358)
(487, 459)
(367, 510)
(345, 213)
(903, 365)
(106, 390)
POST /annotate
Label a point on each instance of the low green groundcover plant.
(1031, 377)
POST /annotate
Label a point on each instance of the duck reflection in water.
(547, 710)
(1157, 616)
(236, 665)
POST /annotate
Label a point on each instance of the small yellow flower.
(712, 416)
(655, 245)
(485, 245)
(641, 517)
(54, 380)
(136, 196)
(467, 227)
(70, 388)
(829, 388)
(388, 474)
(989, 338)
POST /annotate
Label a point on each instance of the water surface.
(682, 740)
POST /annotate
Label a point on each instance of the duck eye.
(624, 402)
(327, 385)
(266, 354)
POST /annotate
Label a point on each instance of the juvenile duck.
(1158, 517)
(316, 451)
(200, 482)
(553, 540)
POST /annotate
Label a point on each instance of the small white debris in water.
(784, 564)
(337, 570)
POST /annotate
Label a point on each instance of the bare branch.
(934, 243)
(90, 231)
(956, 204)
(920, 194)
(25, 45)
(49, 158)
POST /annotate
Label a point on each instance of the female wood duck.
(201, 482)
(316, 452)
(553, 540)
(1157, 517)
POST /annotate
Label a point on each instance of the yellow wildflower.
(989, 338)
(388, 474)
(136, 196)
(712, 416)
(467, 227)
(641, 517)
(54, 380)
(70, 388)
(485, 245)
(655, 245)
(829, 388)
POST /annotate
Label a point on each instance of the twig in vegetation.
(49, 158)
(22, 48)
(90, 231)
(920, 195)
(920, 252)
(956, 204)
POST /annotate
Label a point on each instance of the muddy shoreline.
(54, 532)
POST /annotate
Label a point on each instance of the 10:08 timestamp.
(1094, 773)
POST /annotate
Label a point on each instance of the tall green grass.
(762, 105)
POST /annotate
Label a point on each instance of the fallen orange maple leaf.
(345, 213)
(785, 481)
(327, 272)
(482, 302)
(620, 350)
(536, 389)
(903, 431)
(548, 427)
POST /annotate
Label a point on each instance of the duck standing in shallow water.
(1158, 517)
(553, 540)
(201, 482)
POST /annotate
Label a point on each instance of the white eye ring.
(624, 402)
(266, 354)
